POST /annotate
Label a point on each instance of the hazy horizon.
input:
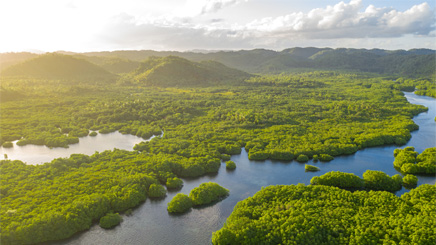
(214, 25)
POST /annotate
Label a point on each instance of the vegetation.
(207, 193)
(174, 183)
(57, 199)
(372, 180)
(408, 161)
(230, 165)
(176, 71)
(179, 204)
(328, 215)
(318, 115)
(410, 181)
(7, 145)
(379, 181)
(342, 180)
(325, 158)
(157, 191)
(93, 133)
(110, 220)
(58, 66)
(302, 158)
(310, 168)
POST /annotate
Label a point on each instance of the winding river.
(151, 224)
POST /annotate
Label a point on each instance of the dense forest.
(299, 214)
(202, 120)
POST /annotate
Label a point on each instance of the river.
(151, 224)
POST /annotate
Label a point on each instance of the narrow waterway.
(151, 224)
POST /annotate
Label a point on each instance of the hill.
(413, 63)
(9, 59)
(58, 66)
(176, 71)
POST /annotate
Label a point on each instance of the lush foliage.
(179, 204)
(156, 191)
(57, 199)
(328, 215)
(408, 161)
(110, 220)
(339, 179)
(410, 181)
(230, 165)
(174, 183)
(310, 168)
(325, 157)
(207, 193)
(8, 144)
(275, 117)
(379, 181)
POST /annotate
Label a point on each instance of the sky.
(184, 25)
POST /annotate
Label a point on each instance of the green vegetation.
(310, 168)
(325, 158)
(205, 119)
(157, 191)
(302, 158)
(57, 199)
(408, 161)
(207, 193)
(58, 66)
(230, 165)
(179, 204)
(8, 144)
(93, 133)
(379, 181)
(372, 180)
(174, 183)
(110, 220)
(410, 181)
(176, 71)
(342, 180)
(328, 215)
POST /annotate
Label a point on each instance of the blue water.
(151, 224)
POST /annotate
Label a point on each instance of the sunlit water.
(151, 224)
(37, 154)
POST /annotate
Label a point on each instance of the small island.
(311, 168)
(207, 193)
(230, 165)
(179, 204)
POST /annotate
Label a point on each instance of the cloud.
(345, 20)
(349, 22)
(194, 8)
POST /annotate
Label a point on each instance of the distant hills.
(414, 62)
(411, 63)
(58, 66)
(176, 71)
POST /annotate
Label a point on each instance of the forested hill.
(58, 66)
(414, 62)
(176, 71)
(411, 63)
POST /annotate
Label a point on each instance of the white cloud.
(346, 20)
(194, 8)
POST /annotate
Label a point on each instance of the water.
(37, 154)
(151, 224)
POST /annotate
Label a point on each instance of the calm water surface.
(37, 154)
(151, 224)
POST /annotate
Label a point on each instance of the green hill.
(58, 66)
(9, 59)
(176, 71)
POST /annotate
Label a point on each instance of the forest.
(202, 122)
(299, 214)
